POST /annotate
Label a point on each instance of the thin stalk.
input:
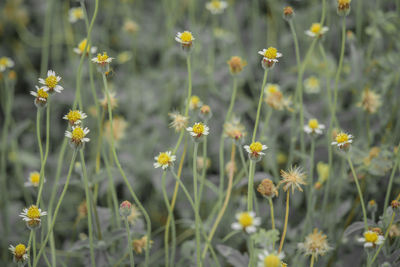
(204, 169)
(286, 221)
(129, 243)
(310, 186)
(224, 206)
(171, 215)
(271, 205)
(389, 188)
(38, 134)
(133, 194)
(89, 208)
(196, 202)
(189, 70)
(34, 244)
(46, 38)
(386, 235)
(359, 192)
(43, 245)
(250, 189)
(259, 106)
(312, 260)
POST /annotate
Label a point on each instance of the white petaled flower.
(164, 160)
(77, 136)
(371, 239)
(216, 6)
(81, 48)
(343, 140)
(255, 150)
(316, 30)
(32, 216)
(270, 259)
(75, 117)
(270, 57)
(20, 253)
(75, 14)
(41, 97)
(312, 85)
(50, 84)
(34, 179)
(313, 127)
(185, 38)
(198, 130)
(102, 59)
(246, 221)
(6, 62)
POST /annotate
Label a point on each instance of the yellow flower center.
(313, 124)
(82, 45)
(198, 128)
(245, 219)
(78, 134)
(186, 37)
(74, 116)
(194, 100)
(78, 13)
(35, 177)
(20, 250)
(315, 28)
(3, 61)
(33, 212)
(51, 81)
(342, 137)
(256, 147)
(164, 159)
(42, 93)
(272, 89)
(102, 58)
(272, 261)
(344, 2)
(371, 237)
(271, 53)
(312, 82)
(216, 4)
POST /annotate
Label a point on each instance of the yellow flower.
(343, 140)
(216, 6)
(32, 216)
(140, 244)
(74, 117)
(267, 259)
(316, 30)
(255, 150)
(50, 84)
(102, 59)
(81, 47)
(6, 62)
(247, 222)
(20, 253)
(314, 127)
(371, 239)
(293, 179)
(33, 179)
(198, 130)
(195, 102)
(185, 39)
(236, 64)
(164, 160)
(311, 85)
(77, 136)
(41, 97)
(343, 7)
(131, 26)
(75, 14)
(270, 57)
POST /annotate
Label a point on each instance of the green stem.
(271, 205)
(46, 38)
(170, 214)
(89, 209)
(259, 106)
(359, 192)
(312, 260)
(389, 188)
(286, 221)
(252, 169)
(189, 70)
(204, 169)
(34, 244)
(133, 194)
(310, 187)
(196, 202)
(43, 245)
(129, 242)
(38, 135)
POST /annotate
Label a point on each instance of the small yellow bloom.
(255, 150)
(32, 216)
(102, 59)
(185, 39)
(41, 97)
(314, 127)
(50, 83)
(216, 6)
(195, 102)
(74, 117)
(317, 30)
(81, 47)
(33, 179)
(20, 253)
(77, 136)
(274, 259)
(343, 140)
(247, 222)
(75, 14)
(371, 239)
(164, 160)
(6, 62)
(198, 130)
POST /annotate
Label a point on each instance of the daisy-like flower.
(236, 64)
(195, 102)
(50, 84)
(288, 13)
(102, 59)
(371, 239)
(343, 140)
(20, 253)
(139, 245)
(255, 150)
(216, 7)
(316, 30)
(185, 39)
(267, 188)
(113, 101)
(270, 57)
(164, 160)
(74, 117)
(81, 48)
(370, 101)
(205, 112)
(41, 97)
(34, 179)
(293, 178)
(32, 216)
(246, 221)
(77, 136)
(75, 14)
(274, 97)
(198, 130)
(6, 62)
(268, 259)
(314, 127)
(311, 85)
(315, 244)
(179, 122)
(343, 7)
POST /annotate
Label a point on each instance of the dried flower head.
(112, 100)
(270, 57)
(230, 167)
(246, 221)
(343, 7)
(32, 216)
(271, 259)
(255, 150)
(134, 216)
(81, 48)
(370, 101)
(288, 13)
(371, 239)
(274, 97)
(50, 83)
(267, 188)
(394, 231)
(179, 122)
(139, 245)
(131, 26)
(293, 178)
(205, 112)
(74, 117)
(235, 130)
(203, 163)
(216, 7)
(395, 204)
(236, 64)
(118, 129)
(316, 244)
(20, 253)
(164, 160)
